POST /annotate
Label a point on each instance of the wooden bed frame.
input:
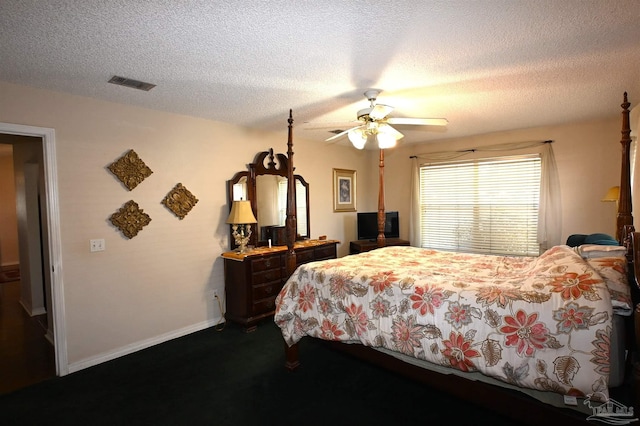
(510, 403)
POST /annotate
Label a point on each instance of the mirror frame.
(277, 165)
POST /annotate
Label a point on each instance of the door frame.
(55, 246)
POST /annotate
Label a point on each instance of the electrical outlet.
(96, 245)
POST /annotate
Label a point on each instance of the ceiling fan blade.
(418, 121)
(344, 132)
(330, 125)
(380, 111)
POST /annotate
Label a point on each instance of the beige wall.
(161, 281)
(588, 157)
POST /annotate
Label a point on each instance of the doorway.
(26, 353)
(43, 259)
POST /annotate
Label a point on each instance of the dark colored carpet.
(234, 378)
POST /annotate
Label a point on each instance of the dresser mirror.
(264, 184)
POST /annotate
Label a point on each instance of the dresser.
(253, 279)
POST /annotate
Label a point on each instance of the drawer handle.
(268, 263)
(268, 289)
(267, 276)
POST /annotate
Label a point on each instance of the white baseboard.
(49, 337)
(38, 311)
(32, 311)
(143, 344)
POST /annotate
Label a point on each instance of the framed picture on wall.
(344, 190)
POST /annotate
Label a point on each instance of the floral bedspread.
(536, 322)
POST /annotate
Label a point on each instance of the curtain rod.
(476, 149)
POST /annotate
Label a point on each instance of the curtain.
(415, 238)
(550, 209)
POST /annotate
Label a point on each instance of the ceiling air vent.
(134, 84)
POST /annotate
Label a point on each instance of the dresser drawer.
(304, 256)
(266, 276)
(328, 252)
(264, 305)
(265, 263)
(266, 290)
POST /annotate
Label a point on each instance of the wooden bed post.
(624, 216)
(292, 360)
(626, 235)
(381, 213)
(290, 222)
(291, 352)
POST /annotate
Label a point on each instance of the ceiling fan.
(375, 122)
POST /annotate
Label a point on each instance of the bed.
(513, 333)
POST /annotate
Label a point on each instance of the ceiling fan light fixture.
(371, 127)
(363, 114)
(387, 136)
(358, 138)
(375, 123)
(385, 140)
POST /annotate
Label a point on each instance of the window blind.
(481, 206)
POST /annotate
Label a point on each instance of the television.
(368, 225)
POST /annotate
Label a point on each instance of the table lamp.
(240, 217)
(613, 194)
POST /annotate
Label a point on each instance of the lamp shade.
(385, 140)
(612, 194)
(241, 213)
(358, 138)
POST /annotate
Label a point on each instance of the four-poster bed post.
(291, 353)
(624, 216)
(381, 212)
(290, 222)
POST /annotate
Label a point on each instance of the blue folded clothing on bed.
(576, 240)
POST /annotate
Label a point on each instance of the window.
(481, 206)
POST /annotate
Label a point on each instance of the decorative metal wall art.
(180, 201)
(130, 169)
(130, 219)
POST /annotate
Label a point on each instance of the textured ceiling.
(484, 65)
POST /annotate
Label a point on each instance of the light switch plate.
(97, 245)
